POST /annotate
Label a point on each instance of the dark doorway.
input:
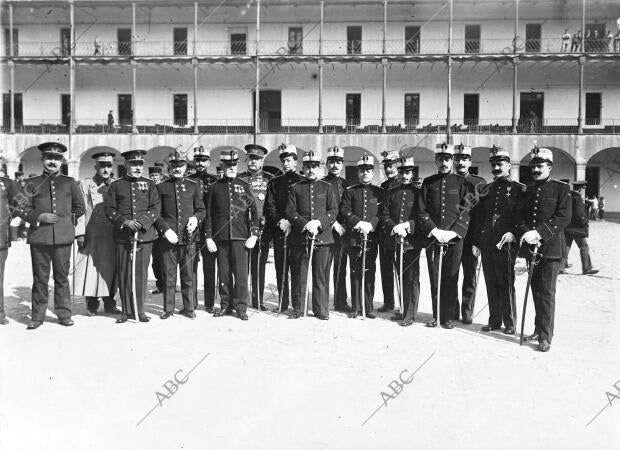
(593, 175)
(412, 110)
(533, 33)
(412, 39)
(270, 109)
(595, 37)
(354, 40)
(65, 41)
(593, 108)
(179, 35)
(354, 109)
(6, 110)
(125, 113)
(471, 106)
(295, 40)
(472, 38)
(65, 109)
(532, 108)
(180, 109)
(238, 43)
(123, 36)
(7, 41)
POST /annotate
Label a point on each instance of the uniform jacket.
(230, 211)
(205, 181)
(131, 198)
(402, 205)
(312, 200)
(57, 194)
(445, 203)
(258, 184)
(546, 208)
(383, 234)
(180, 199)
(479, 185)
(496, 212)
(578, 226)
(360, 202)
(276, 200)
(8, 198)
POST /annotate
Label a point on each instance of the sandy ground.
(273, 383)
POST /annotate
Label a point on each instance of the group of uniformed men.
(313, 223)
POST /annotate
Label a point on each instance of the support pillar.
(384, 24)
(257, 90)
(195, 69)
(449, 87)
(515, 99)
(12, 94)
(321, 64)
(580, 171)
(384, 64)
(581, 112)
(134, 69)
(322, 4)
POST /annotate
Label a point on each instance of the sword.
(401, 255)
(309, 274)
(259, 296)
(513, 300)
(134, 252)
(530, 272)
(284, 273)
(364, 246)
(441, 251)
(478, 265)
(73, 253)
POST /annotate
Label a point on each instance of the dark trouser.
(208, 271)
(321, 269)
(356, 276)
(386, 262)
(258, 268)
(92, 303)
(59, 257)
(157, 267)
(123, 270)
(232, 266)
(181, 256)
(449, 278)
(544, 280)
(339, 274)
(3, 254)
(601, 214)
(411, 276)
(468, 289)
(282, 273)
(584, 251)
(499, 276)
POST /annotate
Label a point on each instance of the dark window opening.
(354, 109)
(6, 110)
(7, 42)
(472, 38)
(238, 43)
(412, 39)
(65, 109)
(412, 110)
(532, 108)
(354, 40)
(124, 41)
(471, 106)
(125, 112)
(533, 33)
(179, 36)
(593, 108)
(295, 40)
(180, 109)
(65, 41)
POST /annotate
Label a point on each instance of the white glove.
(251, 242)
(449, 235)
(313, 227)
(531, 237)
(439, 235)
(363, 227)
(285, 226)
(211, 245)
(507, 238)
(338, 228)
(401, 229)
(171, 236)
(475, 251)
(192, 223)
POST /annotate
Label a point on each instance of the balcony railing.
(312, 47)
(311, 126)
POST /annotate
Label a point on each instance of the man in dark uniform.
(545, 212)
(469, 257)
(390, 163)
(493, 229)
(202, 160)
(258, 181)
(444, 219)
(335, 163)
(132, 204)
(359, 212)
(577, 230)
(156, 175)
(231, 228)
(9, 191)
(182, 208)
(399, 216)
(278, 224)
(54, 203)
(312, 208)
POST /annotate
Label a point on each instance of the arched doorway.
(564, 166)
(87, 163)
(603, 177)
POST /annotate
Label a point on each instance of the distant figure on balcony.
(617, 40)
(576, 42)
(110, 122)
(532, 121)
(610, 42)
(97, 46)
(566, 39)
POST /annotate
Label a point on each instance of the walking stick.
(134, 252)
(338, 257)
(73, 253)
(400, 277)
(364, 246)
(441, 250)
(309, 274)
(478, 265)
(283, 277)
(530, 272)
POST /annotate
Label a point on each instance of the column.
(383, 95)
(195, 68)
(580, 171)
(581, 112)
(71, 72)
(322, 3)
(12, 68)
(134, 68)
(195, 28)
(257, 90)
(515, 98)
(449, 87)
(384, 23)
(321, 64)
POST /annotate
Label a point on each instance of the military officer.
(444, 220)
(54, 202)
(231, 228)
(577, 230)
(312, 208)
(156, 175)
(399, 216)
(132, 204)
(493, 231)
(545, 213)
(9, 191)
(359, 212)
(182, 207)
(202, 161)
(94, 266)
(391, 161)
(335, 163)
(469, 257)
(278, 224)
(258, 181)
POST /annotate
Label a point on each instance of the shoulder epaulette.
(190, 180)
(559, 181)
(118, 179)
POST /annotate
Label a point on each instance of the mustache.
(496, 172)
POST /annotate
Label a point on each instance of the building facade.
(364, 75)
